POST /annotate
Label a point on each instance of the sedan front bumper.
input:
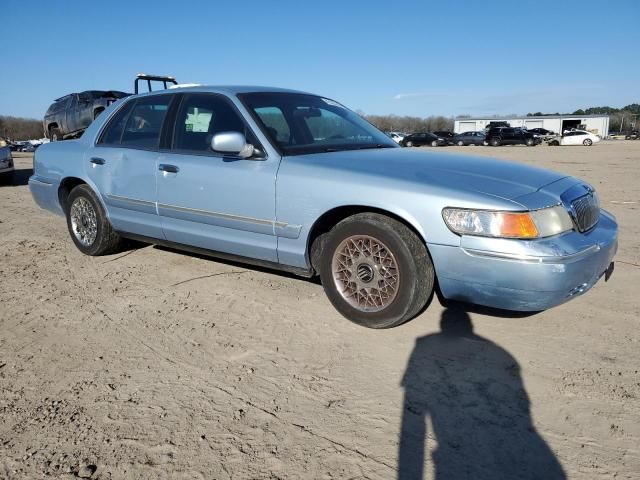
(526, 275)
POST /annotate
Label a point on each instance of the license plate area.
(609, 271)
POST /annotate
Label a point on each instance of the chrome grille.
(586, 211)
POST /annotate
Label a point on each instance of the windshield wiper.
(377, 145)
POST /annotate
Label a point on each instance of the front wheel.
(409, 144)
(495, 142)
(88, 224)
(529, 142)
(376, 271)
(587, 142)
(460, 143)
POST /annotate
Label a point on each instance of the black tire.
(106, 239)
(54, 135)
(554, 143)
(416, 275)
(587, 142)
(494, 142)
(529, 142)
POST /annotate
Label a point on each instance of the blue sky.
(409, 58)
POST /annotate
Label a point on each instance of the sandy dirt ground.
(154, 364)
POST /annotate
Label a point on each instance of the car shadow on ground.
(234, 263)
(472, 392)
(20, 177)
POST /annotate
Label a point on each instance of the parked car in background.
(511, 136)
(542, 132)
(395, 136)
(6, 164)
(496, 124)
(616, 135)
(202, 169)
(632, 135)
(421, 139)
(448, 136)
(28, 147)
(70, 115)
(575, 137)
(470, 138)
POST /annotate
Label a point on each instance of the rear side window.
(144, 123)
(113, 133)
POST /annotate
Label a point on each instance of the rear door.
(212, 200)
(124, 162)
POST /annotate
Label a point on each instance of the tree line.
(407, 124)
(17, 128)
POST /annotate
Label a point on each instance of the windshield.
(300, 124)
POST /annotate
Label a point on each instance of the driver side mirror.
(234, 143)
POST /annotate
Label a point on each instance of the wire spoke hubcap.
(84, 222)
(365, 273)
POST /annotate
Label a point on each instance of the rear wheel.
(529, 142)
(88, 224)
(376, 271)
(434, 143)
(587, 142)
(495, 142)
(54, 135)
(554, 143)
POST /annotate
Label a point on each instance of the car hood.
(490, 176)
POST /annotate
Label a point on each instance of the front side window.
(200, 117)
(144, 123)
(301, 124)
(276, 124)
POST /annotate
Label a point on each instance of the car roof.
(224, 89)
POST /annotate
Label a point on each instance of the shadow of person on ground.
(472, 391)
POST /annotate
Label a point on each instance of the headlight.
(488, 223)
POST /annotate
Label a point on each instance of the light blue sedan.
(298, 182)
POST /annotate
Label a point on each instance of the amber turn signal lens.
(517, 225)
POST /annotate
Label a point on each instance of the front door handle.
(97, 161)
(168, 168)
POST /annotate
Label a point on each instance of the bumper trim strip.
(532, 259)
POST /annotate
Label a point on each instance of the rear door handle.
(97, 161)
(168, 168)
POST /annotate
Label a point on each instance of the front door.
(215, 201)
(124, 162)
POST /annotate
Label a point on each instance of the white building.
(598, 124)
